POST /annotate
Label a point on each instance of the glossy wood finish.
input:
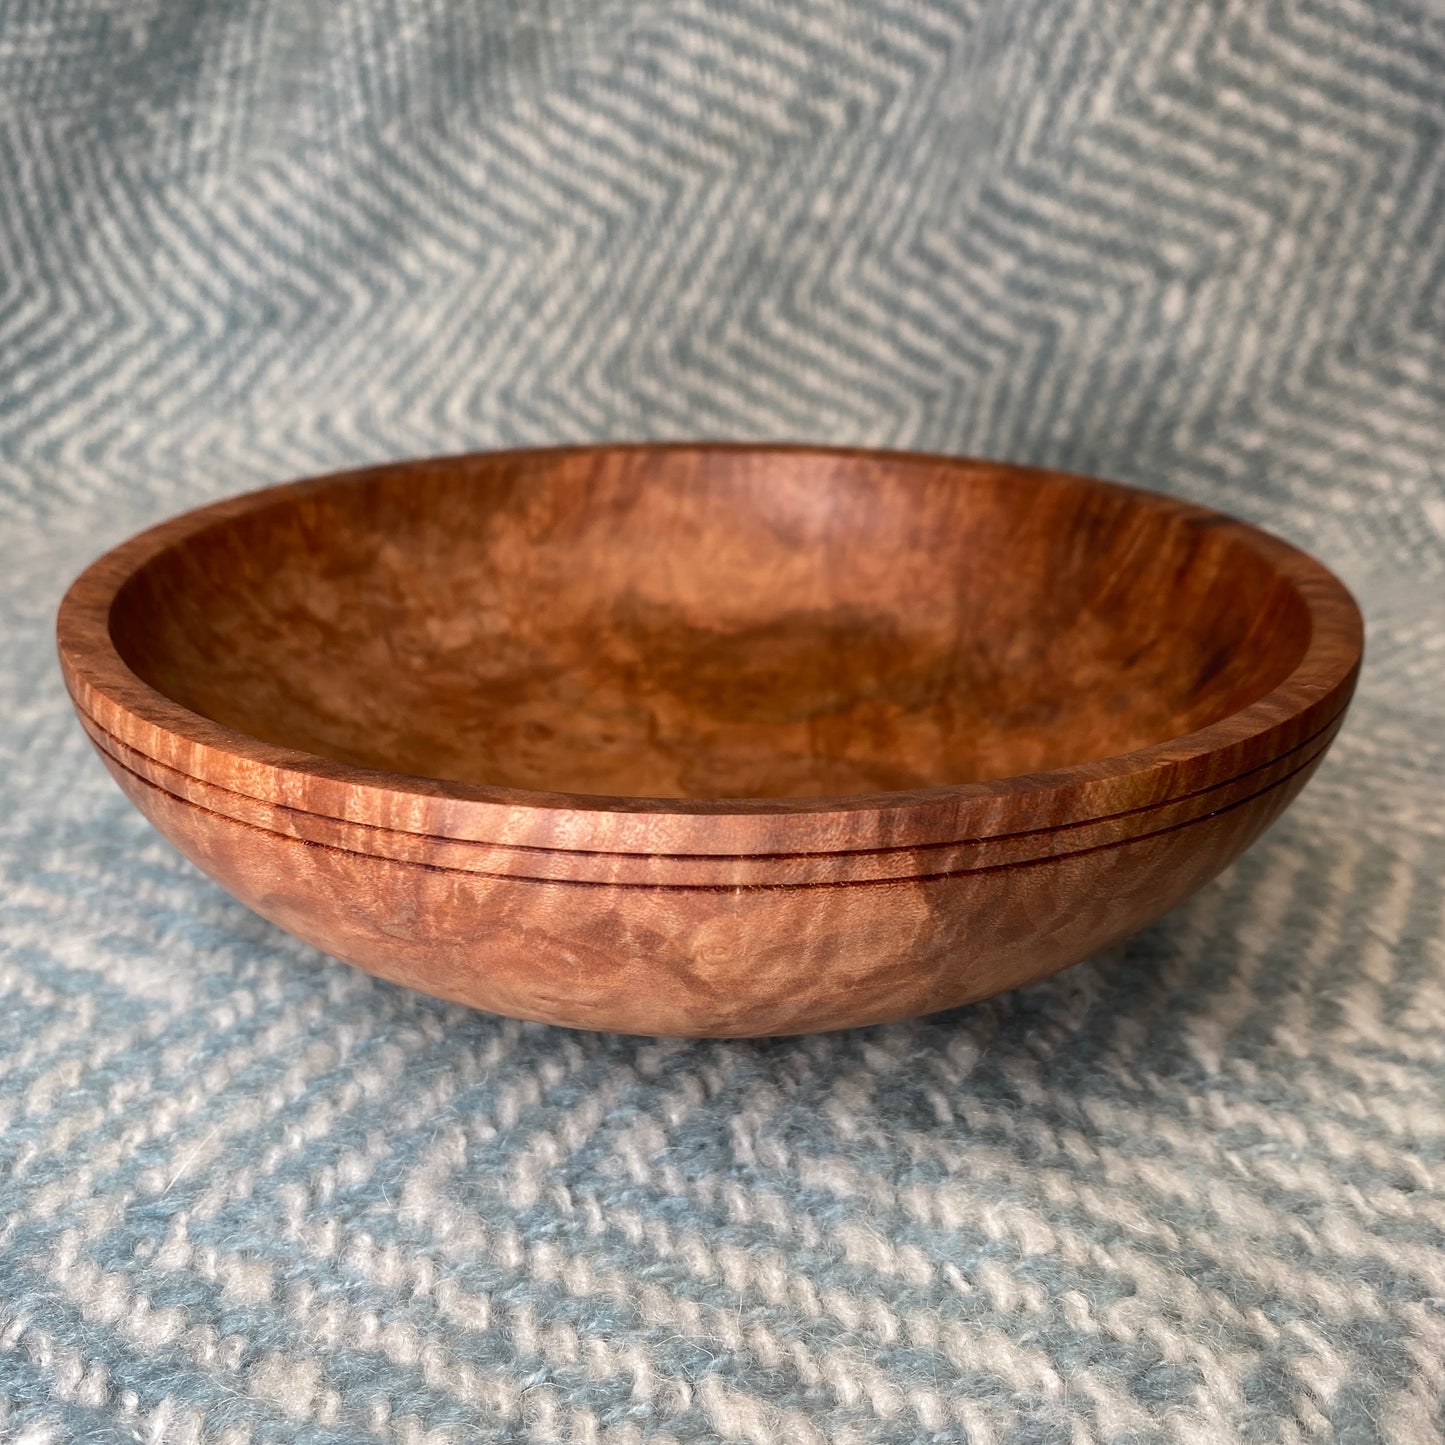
(707, 739)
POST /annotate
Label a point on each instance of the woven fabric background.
(1193, 1190)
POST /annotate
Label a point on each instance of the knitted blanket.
(1192, 1190)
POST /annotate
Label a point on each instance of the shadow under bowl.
(709, 740)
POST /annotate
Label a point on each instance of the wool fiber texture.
(1190, 1191)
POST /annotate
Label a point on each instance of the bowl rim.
(140, 727)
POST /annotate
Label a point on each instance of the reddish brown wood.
(709, 739)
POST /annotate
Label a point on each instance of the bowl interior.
(712, 623)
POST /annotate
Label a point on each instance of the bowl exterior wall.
(707, 961)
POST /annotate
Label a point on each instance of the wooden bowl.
(709, 740)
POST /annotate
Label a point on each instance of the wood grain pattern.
(709, 739)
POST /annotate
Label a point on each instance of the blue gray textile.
(1193, 1190)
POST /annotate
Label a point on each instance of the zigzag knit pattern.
(1190, 1191)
